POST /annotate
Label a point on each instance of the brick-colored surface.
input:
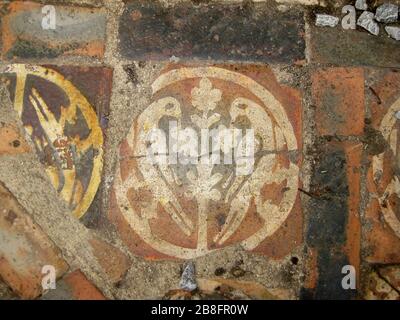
(111, 259)
(338, 95)
(323, 193)
(11, 140)
(333, 228)
(382, 215)
(269, 220)
(81, 287)
(74, 286)
(79, 32)
(24, 249)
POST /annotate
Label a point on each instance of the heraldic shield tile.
(383, 211)
(63, 110)
(212, 161)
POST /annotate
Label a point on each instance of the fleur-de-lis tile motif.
(191, 197)
(205, 98)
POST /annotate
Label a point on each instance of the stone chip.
(393, 32)
(387, 13)
(366, 20)
(188, 279)
(361, 5)
(325, 20)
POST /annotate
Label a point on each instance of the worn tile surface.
(12, 141)
(338, 94)
(74, 286)
(188, 210)
(244, 31)
(352, 48)
(24, 249)
(114, 263)
(333, 228)
(322, 193)
(383, 234)
(78, 31)
(379, 289)
(64, 110)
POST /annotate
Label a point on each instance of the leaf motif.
(204, 97)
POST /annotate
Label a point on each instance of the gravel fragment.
(188, 279)
(325, 20)
(387, 13)
(393, 32)
(361, 5)
(366, 20)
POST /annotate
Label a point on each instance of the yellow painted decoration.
(63, 175)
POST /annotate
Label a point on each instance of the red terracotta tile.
(12, 141)
(187, 211)
(338, 95)
(112, 260)
(24, 249)
(81, 288)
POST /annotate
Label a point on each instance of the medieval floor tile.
(235, 31)
(81, 287)
(112, 260)
(378, 289)
(64, 110)
(338, 94)
(24, 249)
(383, 213)
(76, 31)
(180, 204)
(74, 286)
(392, 275)
(352, 47)
(334, 227)
(205, 193)
(11, 141)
